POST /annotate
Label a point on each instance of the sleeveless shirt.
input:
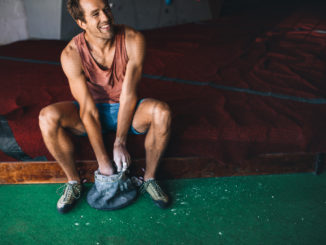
(105, 85)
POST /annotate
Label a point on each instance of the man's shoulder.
(132, 34)
(135, 41)
(70, 58)
(70, 51)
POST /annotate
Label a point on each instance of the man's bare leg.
(54, 121)
(154, 116)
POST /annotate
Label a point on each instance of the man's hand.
(121, 157)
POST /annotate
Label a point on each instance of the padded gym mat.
(246, 84)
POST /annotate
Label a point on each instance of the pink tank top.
(104, 85)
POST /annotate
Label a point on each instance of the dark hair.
(75, 10)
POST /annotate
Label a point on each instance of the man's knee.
(49, 117)
(162, 114)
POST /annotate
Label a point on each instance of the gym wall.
(49, 19)
(145, 14)
(13, 21)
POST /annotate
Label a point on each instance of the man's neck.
(99, 44)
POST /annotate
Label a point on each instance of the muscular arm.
(71, 64)
(135, 45)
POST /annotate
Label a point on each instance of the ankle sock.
(73, 182)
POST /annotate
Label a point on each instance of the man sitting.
(104, 65)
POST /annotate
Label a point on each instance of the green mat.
(273, 209)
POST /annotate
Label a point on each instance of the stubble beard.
(107, 34)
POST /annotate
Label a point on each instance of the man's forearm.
(93, 129)
(125, 115)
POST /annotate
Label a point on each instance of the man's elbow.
(129, 98)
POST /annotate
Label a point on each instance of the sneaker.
(71, 193)
(156, 193)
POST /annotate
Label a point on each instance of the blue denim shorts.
(109, 117)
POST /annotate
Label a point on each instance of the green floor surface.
(274, 209)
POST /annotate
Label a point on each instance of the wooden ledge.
(171, 168)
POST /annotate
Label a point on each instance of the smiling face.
(98, 18)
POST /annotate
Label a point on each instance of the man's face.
(98, 18)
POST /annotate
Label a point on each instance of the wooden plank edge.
(170, 168)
